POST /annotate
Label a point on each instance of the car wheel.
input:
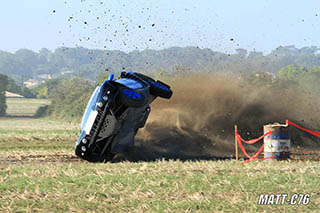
(157, 88)
(160, 89)
(146, 78)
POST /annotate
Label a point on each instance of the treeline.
(69, 96)
(77, 70)
(90, 63)
(307, 79)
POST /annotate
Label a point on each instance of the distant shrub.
(44, 90)
(41, 111)
(69, 98)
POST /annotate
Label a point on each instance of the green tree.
(309, 81)
(44, 90)
(43, 93)
(21, 90)
(3, 87)
(303, 78)
(291, 72)
(70, 97)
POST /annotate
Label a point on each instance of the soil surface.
(136, 154)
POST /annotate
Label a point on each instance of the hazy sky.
(128, 25)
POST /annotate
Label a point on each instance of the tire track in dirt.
(37, 157)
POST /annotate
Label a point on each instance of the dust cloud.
(198, 121)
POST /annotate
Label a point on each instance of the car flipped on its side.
(114, 114)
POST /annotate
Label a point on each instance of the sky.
(158, 24)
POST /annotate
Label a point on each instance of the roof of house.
(12, 95)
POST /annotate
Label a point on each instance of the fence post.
(236, 141)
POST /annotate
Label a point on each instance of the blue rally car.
(114, 114)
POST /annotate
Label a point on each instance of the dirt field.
(179, 164)
(30, 141)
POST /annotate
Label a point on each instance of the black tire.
(146, 78)
(96, 154)
(157, 88)
(131, 98)
(107, 157)
(95, 158)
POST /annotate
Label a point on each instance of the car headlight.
(84, 141)
(105, 98)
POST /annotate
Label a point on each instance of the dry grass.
(36, 134)
(24, 106)
(163, 186)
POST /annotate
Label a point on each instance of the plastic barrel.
(278, 143)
